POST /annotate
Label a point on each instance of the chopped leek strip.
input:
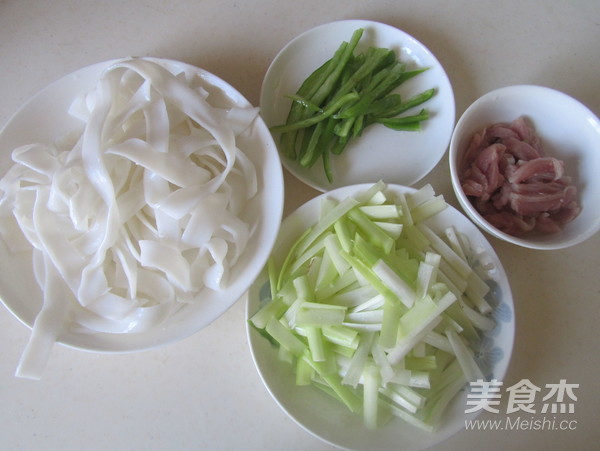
(370, 396)
(377, 310)
(381, 211)
(272, 308)
(428, 209)
(395, 283)
(304, 372)
(359, 360)
(333, 247)
(393, 229)
(439, 341)
(326, 222)
(373, 233)
(341, 335)
(319, 315)
(285, 337)
(464, 355)
(373, 303)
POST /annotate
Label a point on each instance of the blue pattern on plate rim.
(489, 353)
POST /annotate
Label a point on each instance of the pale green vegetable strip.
(272, 308)
(303, 288)
(358, 361)
(284, 355)
(391, 228)
(460, 265)
(370, 276)
(343, 234)
(327, 221)
(428, 209)
(427, 274)
(449, 322)
(406, 215)
(402, 348)
(374, 195)
(482, 305)
(333, 246)
(370, 396)
(421, 363)
(389, 326)
(303, 258)
(371, 316)
(355, 296)
(386, 371)
(341, 335)
(421, 329)
(419, 379)
(409, 394)
(480, 321)
(399, 399)
(395, 283)
(341, 284)
(465, 358)
(380, 211)
(363, 327)
(373, 303)
(374, 233)
(347, 396)
(406, 416)
(285, 337)
(477, 285)
(319, 315)
(450, 272)
(304, 372)
(328, 271)
(289, 258)
(420, 196)
(416, 237)
(315, 343)
(439, 341)
(438, 404)
(290, 314)
(454, 242)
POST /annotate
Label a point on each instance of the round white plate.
(568, 130)
(44, 118)
(331, 421)
(380, 153)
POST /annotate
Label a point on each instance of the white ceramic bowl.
(569, 131)
(18, 289)
(329, 420)
(380, 153)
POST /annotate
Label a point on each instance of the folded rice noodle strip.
(135, 213)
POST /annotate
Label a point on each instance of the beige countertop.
(204, 392)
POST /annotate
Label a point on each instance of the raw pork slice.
(513, 184)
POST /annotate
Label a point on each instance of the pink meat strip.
(511, 182)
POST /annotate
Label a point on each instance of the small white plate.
(331, 421)
(33, 123)
(380, 153)
(569, 131)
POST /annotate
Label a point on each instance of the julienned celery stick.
(374, 308)
(342, 97)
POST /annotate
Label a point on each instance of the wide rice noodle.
(140, 215)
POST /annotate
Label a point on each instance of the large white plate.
(380, 153)
(331, 421)
(44, 118)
